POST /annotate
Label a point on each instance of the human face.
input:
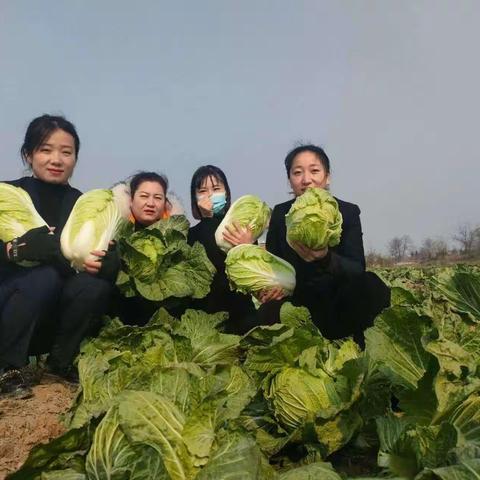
(307, 171)
(148, 203)
(54, 160)
(209, 186)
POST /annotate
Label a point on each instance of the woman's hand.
(267, 295)
(308, 254)
(93, 266)
(237, 235)
(205, 206)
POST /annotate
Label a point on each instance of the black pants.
(347, 310)
(41, 309)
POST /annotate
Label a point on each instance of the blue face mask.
(219, 200)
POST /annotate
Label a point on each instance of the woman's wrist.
(8, 250)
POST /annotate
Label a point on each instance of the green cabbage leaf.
(158, 263)
(97, 217)
(17, 213)
(314, 220)
(247, 211)
(251, 268)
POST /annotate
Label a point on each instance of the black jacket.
(321, 277)
(220, 298)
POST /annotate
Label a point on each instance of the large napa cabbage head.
(297, 396)
(17, 213)
(251, 269)
(314, 220)
(98, 217)
(247, 211)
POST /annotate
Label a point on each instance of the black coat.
(323, 276)
(342, 298)
(220, 298)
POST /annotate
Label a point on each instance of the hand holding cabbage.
(251, 269)
(244, 222)
(20, 220)
(98, 217)
(313, 223)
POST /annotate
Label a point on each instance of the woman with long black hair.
(210, 200)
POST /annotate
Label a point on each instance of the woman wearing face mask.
(31, 297)
(342, 298)
(210, 200)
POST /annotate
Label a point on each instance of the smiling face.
(148, 203)
(54, 160)
(307, 171)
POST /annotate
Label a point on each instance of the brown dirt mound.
(25, 423)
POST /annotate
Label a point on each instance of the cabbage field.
(179, 399)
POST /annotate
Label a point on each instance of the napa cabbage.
(247, 211)
(251, 269)
(98, 217)
(17, 213)
(314, 220)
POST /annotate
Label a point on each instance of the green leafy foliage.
(158, 263)
(17, 213)
(180, 399)
(247, 211)
(98, 217)
(314, 220)
(251, 269)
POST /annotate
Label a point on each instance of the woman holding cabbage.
(37, 284)
(210, 201)
(149, 204)
(322, 238)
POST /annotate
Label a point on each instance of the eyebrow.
(46, 144)
(148, 193)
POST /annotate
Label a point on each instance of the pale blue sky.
(389, 88)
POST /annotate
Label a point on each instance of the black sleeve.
(272, 243)
(3, 254)
(204, 233)
(348, 258)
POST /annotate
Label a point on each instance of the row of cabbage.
(179, 399)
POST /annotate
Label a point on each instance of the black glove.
(37, 245)
(110, 264)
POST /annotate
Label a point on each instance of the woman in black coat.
(210, 200)
(48, 307)
(342, 297)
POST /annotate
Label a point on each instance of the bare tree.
(398, 247)
(466, 236)
(376, 259)
(433, 249)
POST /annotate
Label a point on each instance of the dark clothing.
(134, 310)
(342, 298)
(28, 298)
(84, 299)
(242, 315)
(47, 304)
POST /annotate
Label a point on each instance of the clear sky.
(389, 88)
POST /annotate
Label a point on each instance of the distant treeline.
(463, 246)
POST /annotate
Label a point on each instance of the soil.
(25, 423)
